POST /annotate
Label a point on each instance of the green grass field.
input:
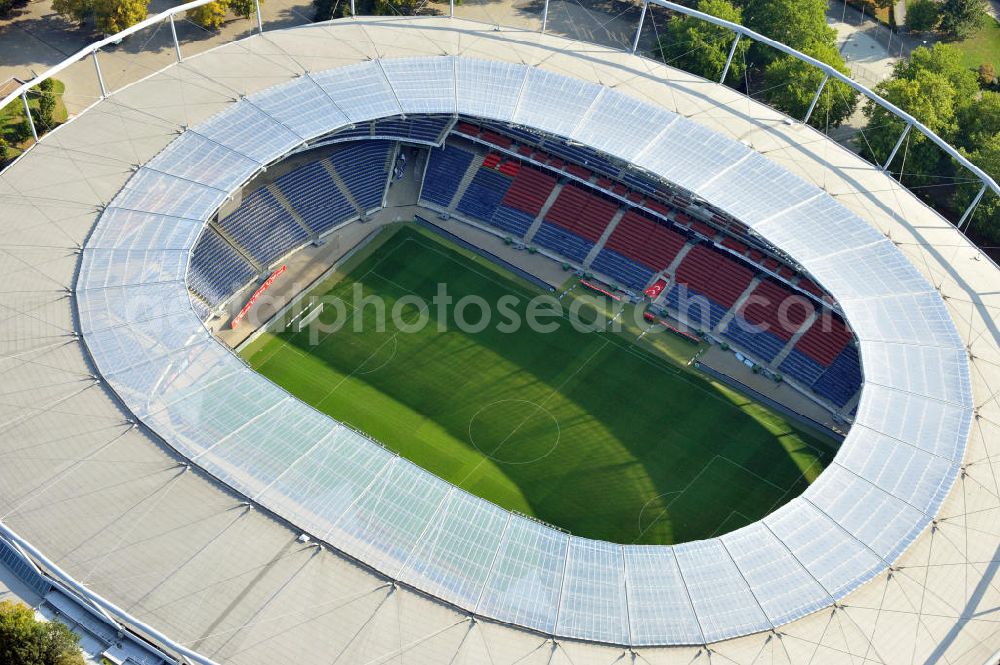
(588, 431)
(984, 46)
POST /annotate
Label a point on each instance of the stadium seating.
(217, 270)
(562, 241)
(423, 129)
(758, 342)
(511, 220)
(623, 269)
(718, 277)
(697, 309)
(825, 359)
(801, 367)
(825, 339)
(585, 214)
(315, 197)
(637, 249)
(645, 241)
(200, 307)
(529, 191)
(483, 195)
(776, 309)
(842, 379)
(263, 227)
(581, 155)
(364, 168)
(445, 169)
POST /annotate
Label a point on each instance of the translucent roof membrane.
(249, 131)
(361, 91)
(887, 482)
(659, 603)
(687, 153)
(150, 190)
(195, 158)
(302, 106)
(915, 318)
(117, 306)
(553, 102)
(423, 85)
(455, 556)
(133, 229)
(815, 228)
(593, 594)
(487, 88)
(609, 125)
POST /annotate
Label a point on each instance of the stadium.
(196, 489)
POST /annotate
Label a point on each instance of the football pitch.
(606, 434)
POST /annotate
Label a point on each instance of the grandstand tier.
(776, 309)
(217, 270)
(709, 272)
(583, 213)
(263, 227)
(315, 197)
(483, 195)
(445, 168)
(645, 241)
(364, 168)
(529, 191)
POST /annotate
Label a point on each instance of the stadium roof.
(889, 481)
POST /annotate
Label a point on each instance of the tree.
(942, 59)
(243, 8)
(987, 75)
(922, 15)
(213, 15)
(27, 641)
(46, 105)
(961, 18)
(702, 48)
(210, 16)
(4, 150)
(325, 10)
(930, 98)
(978, 121)
(796, 23)
(74, 10)
(790, 86)
(985, 223)
(109, 16)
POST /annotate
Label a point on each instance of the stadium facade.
(145, 459)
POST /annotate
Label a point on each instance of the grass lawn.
(12, 116)
(982, 47)
(588, 431)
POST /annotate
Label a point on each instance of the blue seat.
(217, 270)
(316, 197)
(762, 344)
(801, 367)
(622, 268)
(842, 379)
(561, 241)
(515, 222)
(445, 169)
(263, 227)
(483, 195)
(364, 168)
(699, 310)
